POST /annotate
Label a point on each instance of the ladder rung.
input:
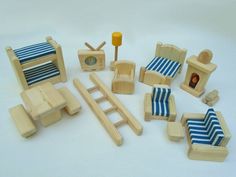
(101, 99)
(92, 89)
(120, 123)
(110, 110)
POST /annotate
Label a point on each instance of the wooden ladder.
(111, 128)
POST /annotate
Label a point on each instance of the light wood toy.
(207, 135)
(93, 59)
(211, 98)
(123, 81)
(198, 73)
(38, 63)
(175, 131)
(116, 41)
(168, 61)
(43, 103)
(160, 105)
(102, 115)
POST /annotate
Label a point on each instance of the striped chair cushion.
(164, 66)
(207, 130)
(160, 101)
(34, 51)
(41, 72)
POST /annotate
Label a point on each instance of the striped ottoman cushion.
(41, 72)
(34, 51)
(160, 101)
(164, 66)
(206, 131)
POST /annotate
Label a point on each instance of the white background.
(80, 147)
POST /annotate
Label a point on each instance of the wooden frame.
(163, 50)
(102, 115)
(148, 109)
(57, 59)
(123, 81)
(207, 152)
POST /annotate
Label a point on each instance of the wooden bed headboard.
(171, 52)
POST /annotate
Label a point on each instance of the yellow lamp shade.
(116, 38)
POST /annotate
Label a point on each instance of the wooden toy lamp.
(93, 59)
(116, 41)
(198, 73)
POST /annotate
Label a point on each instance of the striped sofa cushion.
(160, 101)
(164, 66)
(34, 51)
(41, 72)
(206, 131)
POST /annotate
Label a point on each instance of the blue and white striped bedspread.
(34, 51)
(164, 66)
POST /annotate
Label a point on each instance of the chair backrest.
(161, 93)
(124, 66)
(213, 127)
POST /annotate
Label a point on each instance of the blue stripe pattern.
(40, 73)
(34, 51)
(164, 66)
(207, 131)
(160, 101)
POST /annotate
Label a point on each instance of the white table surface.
(80, 147)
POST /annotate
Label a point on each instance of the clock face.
(90, 60)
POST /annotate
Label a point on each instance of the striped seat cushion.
(34, 51)
(164, 66)
(207, 130)
(40, 72)
(160, 101)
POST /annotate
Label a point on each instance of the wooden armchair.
(168, 61)
(160, 105)
(123, 81)
(38, 63)
(207, 135)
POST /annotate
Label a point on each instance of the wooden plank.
(101, 99)
(110, 110)
(22, 121)
(108, 125)
(92, 89)
(133, 123)
(72, 104)
(120, 123)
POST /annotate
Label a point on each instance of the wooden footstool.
(175, 131)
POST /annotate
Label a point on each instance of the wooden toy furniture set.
(38, 63)
(93, 59)
(123, 81)
(102, 115)
(164, 67)
(159, 105)
(43, 103)
(207, 135)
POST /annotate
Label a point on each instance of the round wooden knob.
(205, 56)
(117, 38)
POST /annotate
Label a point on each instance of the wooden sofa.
(207, 135)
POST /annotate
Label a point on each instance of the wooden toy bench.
(167, 62)
(38, 63)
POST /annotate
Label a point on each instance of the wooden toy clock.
(93, 59)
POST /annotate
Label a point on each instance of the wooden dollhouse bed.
(164, 67)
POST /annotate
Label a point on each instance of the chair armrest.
(187, 116)
(172, 108)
